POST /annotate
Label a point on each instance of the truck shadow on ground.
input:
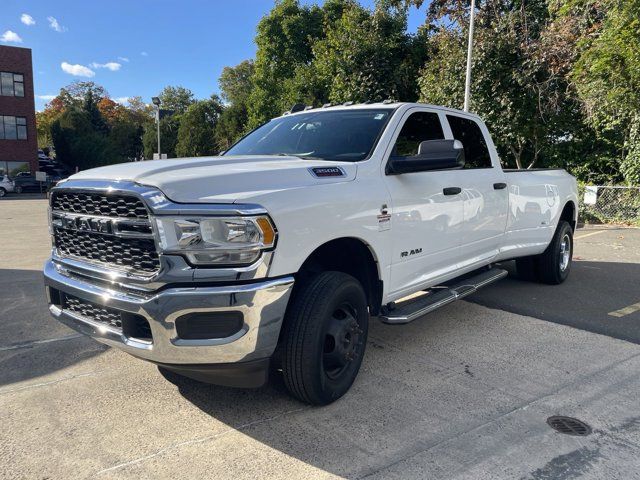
(32, 343)
(584, 301)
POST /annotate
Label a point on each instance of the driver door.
(426, 217)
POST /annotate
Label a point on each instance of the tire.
(527, 269)
(18, 189)
(554, 264)
(324, 337)
(3, 192)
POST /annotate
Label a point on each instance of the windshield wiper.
(303, 157)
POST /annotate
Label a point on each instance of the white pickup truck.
(273, 256)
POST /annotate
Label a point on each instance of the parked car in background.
(28, 183)
(6, 185)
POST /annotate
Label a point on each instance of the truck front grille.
(112, 230)
(137, 255)
(99, 204)
(91, 311)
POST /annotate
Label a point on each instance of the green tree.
(607, 74)
(230, 126)
(78, 144)
(196, 134)
(236, 82)
(363, 54)
(90, 106)
(284, 39)
(177, 99)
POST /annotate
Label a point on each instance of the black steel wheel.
(324, 337)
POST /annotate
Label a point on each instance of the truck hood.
(225, 179)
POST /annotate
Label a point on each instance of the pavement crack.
(45, 384)
(194, 441)
(40, 342)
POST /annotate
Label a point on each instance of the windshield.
(347, 135)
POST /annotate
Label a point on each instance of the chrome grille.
(113, 230)
(97, 313)
(121, 206)
(135, 254)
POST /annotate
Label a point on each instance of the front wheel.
(324, 337)
(18, 189)
(3, 192)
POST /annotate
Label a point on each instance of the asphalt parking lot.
(463, 393)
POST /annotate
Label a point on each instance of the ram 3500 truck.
(273, 256)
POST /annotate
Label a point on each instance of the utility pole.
(156, 102)
(467, 83)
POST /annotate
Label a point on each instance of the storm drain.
(569, 426)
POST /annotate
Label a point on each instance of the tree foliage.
(196, 134)
(557, 81)
(88, 129)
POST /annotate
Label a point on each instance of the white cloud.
(121, 100)
(113, 66)
(123, 59)
(77, 70)
(46, 97)
(53, 23)
(144, 54)
(27, 19)
(10, 36)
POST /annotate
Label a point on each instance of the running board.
(409, 310)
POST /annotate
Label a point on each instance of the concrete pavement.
(463, 393)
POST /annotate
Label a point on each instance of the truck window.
(419, 127)
(347, 135)
(476, 153)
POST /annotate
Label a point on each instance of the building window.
(11, 84)
(13, 128)
(14, 169)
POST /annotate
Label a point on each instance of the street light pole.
(467, 83)
(156, 102)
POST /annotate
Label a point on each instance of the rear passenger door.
(425, 223)
(484, 192)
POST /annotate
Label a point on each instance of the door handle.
(499, 186)
(451, 190)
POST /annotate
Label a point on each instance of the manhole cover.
(569, 426)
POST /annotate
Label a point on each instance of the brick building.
(18, 138)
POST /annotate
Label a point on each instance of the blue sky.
(136, 47)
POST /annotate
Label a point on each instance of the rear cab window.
(476, 152)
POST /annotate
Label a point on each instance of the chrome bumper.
(262, 304)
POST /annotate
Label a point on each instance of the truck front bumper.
(102, 313)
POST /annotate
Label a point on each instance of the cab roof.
(386, 104)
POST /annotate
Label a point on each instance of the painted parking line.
(588, 234)
(626, 310)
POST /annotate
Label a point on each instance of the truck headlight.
(216, 240)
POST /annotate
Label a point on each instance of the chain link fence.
(603, 204)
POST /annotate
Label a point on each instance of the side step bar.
(409, 310)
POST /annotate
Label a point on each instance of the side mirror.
(432, 155)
